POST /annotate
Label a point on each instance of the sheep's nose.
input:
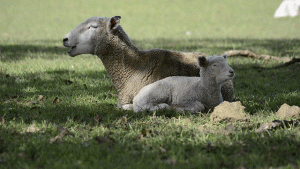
(65, 39)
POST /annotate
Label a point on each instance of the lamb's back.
(180, 89)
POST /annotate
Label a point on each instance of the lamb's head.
(215, 67)
(83, 38)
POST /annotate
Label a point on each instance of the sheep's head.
(82, 39)
(215, 67)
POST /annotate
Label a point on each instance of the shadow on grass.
(266, 90)
(84, 96)
(276, 47)
(257, 89)
(47, 48)
(78, 93)
(250, 150)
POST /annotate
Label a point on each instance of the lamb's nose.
(65, 39)
(231, 73)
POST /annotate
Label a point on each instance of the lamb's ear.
(225, 56)
(202, 61)
(113, 22)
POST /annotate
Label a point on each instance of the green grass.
(33, 62)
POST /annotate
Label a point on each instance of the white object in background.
(288, 8)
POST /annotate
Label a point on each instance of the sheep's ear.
(113, 22)
(225, 56)
(202, 61)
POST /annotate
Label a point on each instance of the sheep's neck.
(210, 91)
(114, 60)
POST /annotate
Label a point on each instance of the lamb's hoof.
(127, 107)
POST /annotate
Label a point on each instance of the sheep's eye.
(215, 65)
(93, 26)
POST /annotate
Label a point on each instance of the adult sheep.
(130, 68)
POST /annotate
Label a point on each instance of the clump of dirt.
(229, 112)
(286, 111)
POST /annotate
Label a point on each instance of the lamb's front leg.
(159, 106)
(150, 107)
(152, 97)
(192, 107)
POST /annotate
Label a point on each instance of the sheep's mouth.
(72, 47)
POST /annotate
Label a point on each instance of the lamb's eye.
(215, 65)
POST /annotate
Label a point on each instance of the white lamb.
(187, 93)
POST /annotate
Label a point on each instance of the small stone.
(32, 129)
(286, 111)
(41, 97)
(229, 112)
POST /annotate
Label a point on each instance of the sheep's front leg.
(192, 107)
(127, 106)
(125, 101)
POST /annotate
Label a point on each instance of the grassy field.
(59, 112)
